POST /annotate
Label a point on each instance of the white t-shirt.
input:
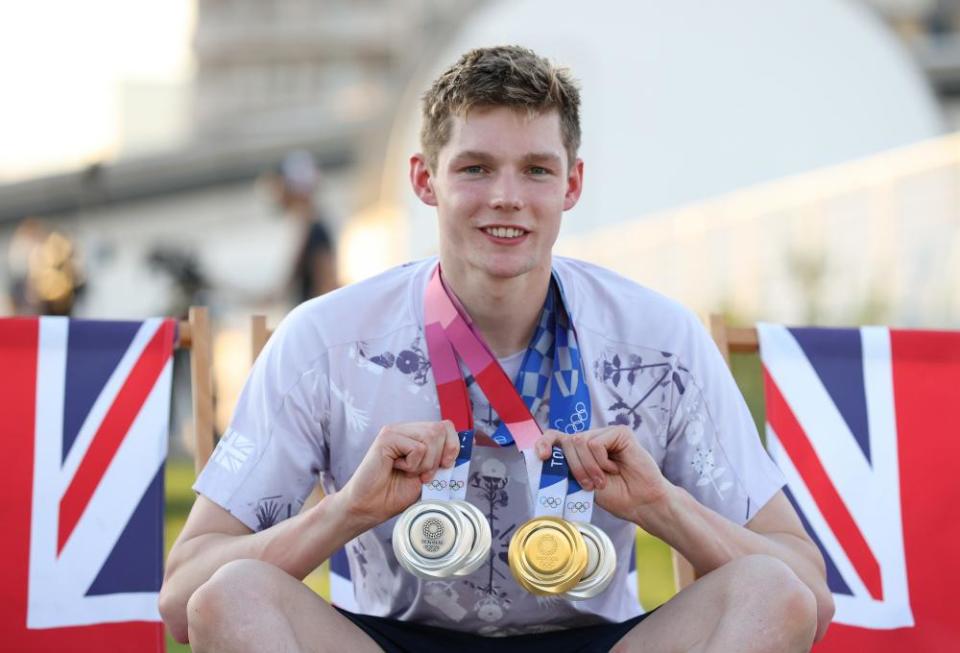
(342, 366)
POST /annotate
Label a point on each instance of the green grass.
(654, 566)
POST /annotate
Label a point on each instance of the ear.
(574, 185)
(421, 180)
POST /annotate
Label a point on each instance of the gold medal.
(547, 556)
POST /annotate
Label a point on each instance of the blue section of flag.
(340, 564)
(834, 580)
(125, 569)
(94, 350)
(837, 357)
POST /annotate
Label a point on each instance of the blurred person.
(190, 287)
(44, 271)
(348, 388)
(293, 185)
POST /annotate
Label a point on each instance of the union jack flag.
(86, 410)
(860, 421)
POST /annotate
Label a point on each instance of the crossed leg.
(754, 604)
(751, 605)
(250, 605)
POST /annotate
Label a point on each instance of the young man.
(345, 390)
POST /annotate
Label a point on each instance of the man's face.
(501, 185)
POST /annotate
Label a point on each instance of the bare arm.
(709, 540)
(212, 537)
(630, 485)
(389, 478)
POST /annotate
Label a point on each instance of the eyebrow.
(542, 157)
(532, 157)
(473, 155)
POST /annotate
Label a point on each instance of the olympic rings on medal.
(578, 506)
(552, 502)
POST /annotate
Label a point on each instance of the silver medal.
(479, 536)
(432, 539)
(601, 563)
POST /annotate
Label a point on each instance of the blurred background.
(776, 160)
(767, 159)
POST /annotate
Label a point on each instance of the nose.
(505, 195)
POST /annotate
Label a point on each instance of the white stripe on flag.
(58, 585)
(104, 400)
(817, 415)
(804, 499)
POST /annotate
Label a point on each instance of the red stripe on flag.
(113, 430)
(926, 387)
(18, 387)
(828, 500)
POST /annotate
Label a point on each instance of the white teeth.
(504, 232)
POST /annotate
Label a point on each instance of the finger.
(406, 452)
(543, 447)
(451, 444)
(616, 440)
(591, 467)
(428, 433)
(576, 466)
(598, 447)
(435, 438)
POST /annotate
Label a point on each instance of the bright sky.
(60, 63)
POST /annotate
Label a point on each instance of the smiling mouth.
(504, 232)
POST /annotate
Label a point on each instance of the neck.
(504, 310)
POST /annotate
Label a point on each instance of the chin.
(508, 269)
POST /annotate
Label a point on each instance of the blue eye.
(473, 170)
(539, 170)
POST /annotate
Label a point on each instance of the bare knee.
(219, 610)
(780, 605)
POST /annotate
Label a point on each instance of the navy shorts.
(395, 636)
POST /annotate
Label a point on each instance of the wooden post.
(259, 335)
(202, 385)
(718, 329)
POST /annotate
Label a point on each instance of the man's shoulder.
(366, 310)
(621, 309)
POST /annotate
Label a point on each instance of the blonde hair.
(502, 76)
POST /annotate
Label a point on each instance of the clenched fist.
(609, 460)
(401, 458)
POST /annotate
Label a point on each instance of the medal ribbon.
(449, 483)
(551, 357)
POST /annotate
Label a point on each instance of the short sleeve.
(713, 449)
(269, 458)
